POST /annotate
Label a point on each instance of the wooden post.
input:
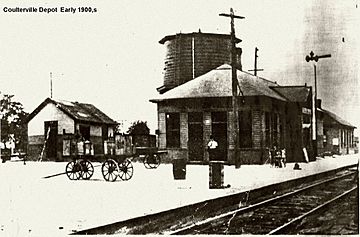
(255, 63)
(235, 130)
(315, 58)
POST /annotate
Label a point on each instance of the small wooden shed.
(52, 127)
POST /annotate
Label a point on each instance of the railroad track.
(276, 215)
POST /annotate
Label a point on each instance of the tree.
(139, 128)
(13, 117)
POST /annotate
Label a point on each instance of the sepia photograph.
(179, 117)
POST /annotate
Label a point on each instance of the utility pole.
(51, 93)
(255, 64)
(235, 130)
(315, 58)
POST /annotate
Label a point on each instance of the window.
(219, 131)
(172, 130)
(85, 131)
(105, 132)
(306, 118)
(245, 129)
(325, 138)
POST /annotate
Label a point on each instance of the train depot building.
(269, 115)
(195, 102)
(54, 125)
(335, 135)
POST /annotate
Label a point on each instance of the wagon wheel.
(110, 170)
(126, 170)
(87, 169)
(146, 162)
(152, 161)
(73, 170)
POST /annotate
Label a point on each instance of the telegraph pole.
(235, 130)
(255, 64)
(51, 92)
(315, 58)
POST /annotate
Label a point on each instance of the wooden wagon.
(117, 159)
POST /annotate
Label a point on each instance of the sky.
(112, 58)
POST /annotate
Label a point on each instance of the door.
(195, 135)
(219, 132)
(51, 132)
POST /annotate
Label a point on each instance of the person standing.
(212, 145)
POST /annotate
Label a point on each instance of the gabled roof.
(337, 119)
(218, 83)
(77, 111)
(294, 93)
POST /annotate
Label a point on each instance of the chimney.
(238, 58)
(318, 103)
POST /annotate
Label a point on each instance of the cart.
(121, 165)
(117, 160)
(79, 168)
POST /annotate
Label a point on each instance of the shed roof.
(294, 93)
(78, 111)
(337, 119)
(218, 83)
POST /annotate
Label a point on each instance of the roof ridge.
(262, 78)
(306, 86)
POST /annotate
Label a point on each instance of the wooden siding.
(162, 130)
(184, 130)
(257, 154)
(50, 113)
(257, 129)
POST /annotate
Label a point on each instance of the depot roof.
(218, 83)
(336, 119)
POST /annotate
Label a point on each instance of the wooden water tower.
(194, 54)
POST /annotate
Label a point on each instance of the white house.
(55, 126)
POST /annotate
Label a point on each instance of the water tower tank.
(194, 54)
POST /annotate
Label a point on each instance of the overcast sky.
(112, 57)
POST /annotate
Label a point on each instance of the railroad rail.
(187, 217)
(275, 215)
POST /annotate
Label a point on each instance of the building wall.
(36, 129)
(258, 153)
(96, 131)
(339, 140)
(257, 128)
(339, 137)
(295, 136)
(184, 130)
(50, 113)
(332, 141)
(66, 131)
(346, 146)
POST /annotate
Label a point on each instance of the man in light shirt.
(212, 145)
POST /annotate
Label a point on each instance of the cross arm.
(233, 16)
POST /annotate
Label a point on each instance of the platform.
(32, 205)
